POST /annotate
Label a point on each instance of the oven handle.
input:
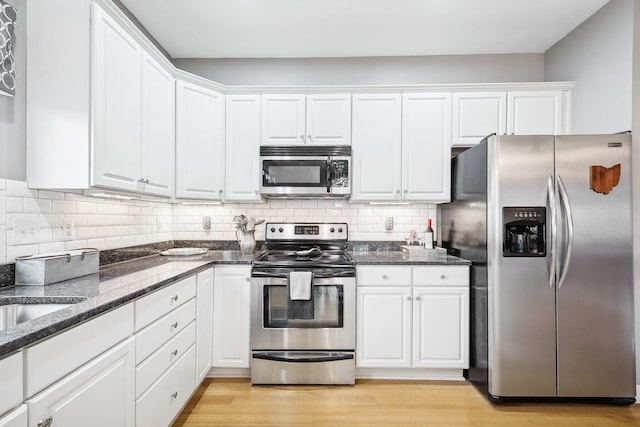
(316, 275)
(295, 357)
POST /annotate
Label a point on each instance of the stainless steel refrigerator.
(547, 223)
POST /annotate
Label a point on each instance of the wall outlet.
(388, 223)
(25, 230)
(68, 230)
(206, 223)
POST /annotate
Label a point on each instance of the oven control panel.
(306, 231)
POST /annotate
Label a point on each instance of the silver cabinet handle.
(303, 138)
(406, 191)
(309, 138)
(141, 181)
(385, 277)
(408, 298)
(247, 279)
(46, 422)
(174, 298)
(174, 352)
(418, 298)
(443, 277)
(175, 325)
(174, 395)
(220, 191)
(256, 191)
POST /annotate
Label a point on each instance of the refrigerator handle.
(551, 194)
(564, 199)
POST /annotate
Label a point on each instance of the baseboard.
(229, 373)
(637, 393)
(409, 374)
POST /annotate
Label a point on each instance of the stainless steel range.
(303, 306)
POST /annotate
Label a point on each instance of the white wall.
(597, 55)
(356, 71)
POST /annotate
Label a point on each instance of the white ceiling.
(343, 28)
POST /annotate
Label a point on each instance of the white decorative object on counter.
(184, 251)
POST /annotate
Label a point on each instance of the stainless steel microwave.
(306, 172)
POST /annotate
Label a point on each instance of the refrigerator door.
(521, 293)
(595, 283)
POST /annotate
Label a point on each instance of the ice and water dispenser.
(524, 231)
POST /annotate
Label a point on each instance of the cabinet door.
(100, 393)
(158, 141)
(384, 327)
(377, 147)
(534, 113)
(231, 317)
(16, 418)
(283, 119)
(478, 114)
(115, 101)
(199, 142)
(426, 147)
(329, 119)
(204, 324)
(441, 327)
(242, 148)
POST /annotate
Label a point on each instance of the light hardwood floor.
(382, 403)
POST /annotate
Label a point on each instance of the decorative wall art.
(7, 27)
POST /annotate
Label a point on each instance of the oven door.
(284, 175)
(330, 325)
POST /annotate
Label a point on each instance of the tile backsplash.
(31, 221)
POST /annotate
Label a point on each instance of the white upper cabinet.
(158, 141)
(116, 101)
(426, 146)
(535, 113)
(291, 119)
(113, 119)
(377, 131)
(242, 144)
(199, 142)
(478, 114)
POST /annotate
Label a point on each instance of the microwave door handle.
(328, 174)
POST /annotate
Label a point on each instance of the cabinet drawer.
(55, 357)
(441, 276)
(383, 275)
(149, 371)
(15, 418)
(160, 404)
(153, 306)
(11, 374)
(153, 336)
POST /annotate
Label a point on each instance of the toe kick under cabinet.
(412, 317)
(165, 352)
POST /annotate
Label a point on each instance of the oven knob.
(340, 230)
(332, 229)
(273, 229)
(281, 229)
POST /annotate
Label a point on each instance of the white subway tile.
(104, 208)
(113, 242)
(20, 250)
(127, 241)
(50, 247)
(3, 184)
(36, 205)
(86, 208)
(105, 231)
(86, 232)
(20, 189)
(96, 220)
(51, 195)
(99, 244)
(3, 242)
(14, 204)
(78, 220)
(64, 206)
(50, 220)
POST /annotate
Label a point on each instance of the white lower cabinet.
(413, 317)
(100, 393)
(16, 418)
(231, 317)
(204, 324)
(11, 372)
(164, 400)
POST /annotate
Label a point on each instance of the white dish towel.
(300, 285)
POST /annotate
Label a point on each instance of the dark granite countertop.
(114, 285)
(401, 258)
(119, 283)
